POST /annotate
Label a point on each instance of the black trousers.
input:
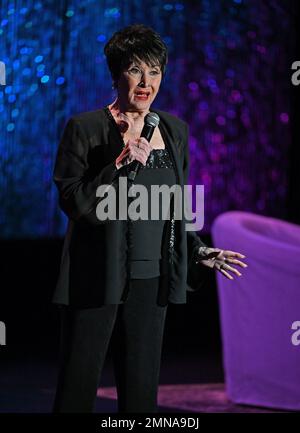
(135, 330)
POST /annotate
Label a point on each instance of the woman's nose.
(145, 80)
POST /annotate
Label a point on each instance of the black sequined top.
(145, 251)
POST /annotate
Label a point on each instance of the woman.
(118, 276)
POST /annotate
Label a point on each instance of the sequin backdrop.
(227, 77)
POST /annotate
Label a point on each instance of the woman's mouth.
(141, 96)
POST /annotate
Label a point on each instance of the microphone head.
(152, 119)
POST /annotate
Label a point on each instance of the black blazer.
(94, 269)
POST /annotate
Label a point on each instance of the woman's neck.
(135, 117)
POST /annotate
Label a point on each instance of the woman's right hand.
(138, 149)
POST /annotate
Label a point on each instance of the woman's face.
(138, 86)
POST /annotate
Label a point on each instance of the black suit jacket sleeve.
(77, 189)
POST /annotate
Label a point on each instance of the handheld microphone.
(151, 121)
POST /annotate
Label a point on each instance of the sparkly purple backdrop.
(228, 77)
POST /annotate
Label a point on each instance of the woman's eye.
(137, 71)
(134, 70)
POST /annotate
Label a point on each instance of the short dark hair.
(133, 43)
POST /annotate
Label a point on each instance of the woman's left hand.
(220, 259)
